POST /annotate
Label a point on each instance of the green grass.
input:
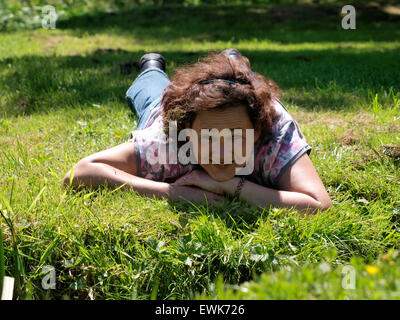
(61, 100)
(353, 280)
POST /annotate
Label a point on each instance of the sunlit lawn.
(62, 98)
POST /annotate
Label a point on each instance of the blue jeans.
(145, 93)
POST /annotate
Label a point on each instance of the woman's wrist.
(171, 191)
(230, 186)
(177, 192)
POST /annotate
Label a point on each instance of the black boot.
(234, 54)
(152, 60)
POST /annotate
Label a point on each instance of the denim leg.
(145, 93)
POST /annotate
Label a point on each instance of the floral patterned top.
(272, 155)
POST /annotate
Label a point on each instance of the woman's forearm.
(258, 195)
(95, 174)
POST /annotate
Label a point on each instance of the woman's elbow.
(72, 176)
(322, 206)
(325, 202)
(67, 180)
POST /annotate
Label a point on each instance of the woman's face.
(234, 117)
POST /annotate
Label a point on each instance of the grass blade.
(35, 200)
(2, 268)
(48, 251)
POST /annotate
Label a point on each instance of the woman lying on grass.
(222, 94)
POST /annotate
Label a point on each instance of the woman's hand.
(192, 194)
(200, 179)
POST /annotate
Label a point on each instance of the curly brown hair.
(185, 95)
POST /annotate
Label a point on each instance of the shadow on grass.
(313, 79)
(237, 215)
(235, 23)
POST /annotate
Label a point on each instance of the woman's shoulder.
(155, 155)
(151, 133)
(281, 120)
(282, 114)
(285, 144)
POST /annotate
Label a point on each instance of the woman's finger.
(180, 181)
(215, 198)
(177, 183)
(186, 180)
